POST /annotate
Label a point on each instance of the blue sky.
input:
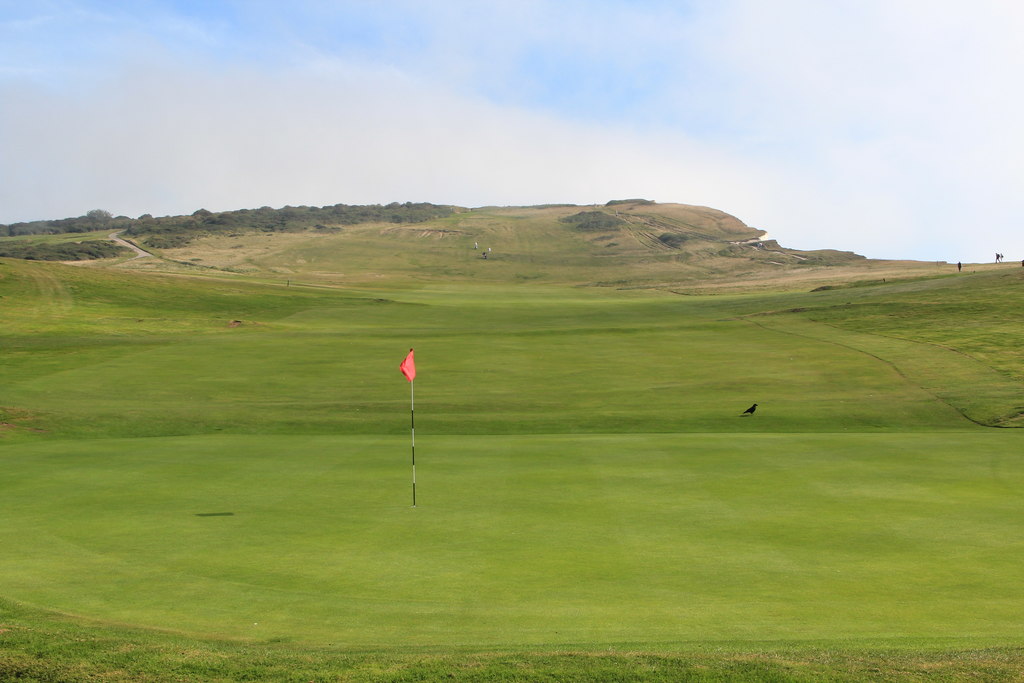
(886, 127)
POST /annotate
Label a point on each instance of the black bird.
(749, 411)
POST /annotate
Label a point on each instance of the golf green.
(645, 540)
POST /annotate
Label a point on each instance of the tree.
(99, 215)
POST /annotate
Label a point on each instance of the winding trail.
(139, 252)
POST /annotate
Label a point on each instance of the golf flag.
(408, 367)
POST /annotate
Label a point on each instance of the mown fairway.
(231, 459)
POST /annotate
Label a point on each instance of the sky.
(886, 127)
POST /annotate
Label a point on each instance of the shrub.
(615, 202)
(66, 251)
(672, 239)
(169, 241)
(593, 221)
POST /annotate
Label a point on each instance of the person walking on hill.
(959, 266)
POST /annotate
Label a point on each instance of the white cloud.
(162, 141)
(888, 128)
(894, 118)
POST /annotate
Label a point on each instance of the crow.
(749, 411)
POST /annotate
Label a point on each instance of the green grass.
(209, 480)
(522, 360)
(638, 541)
(41, 648)
(979, 318)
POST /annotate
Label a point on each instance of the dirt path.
(139, 252)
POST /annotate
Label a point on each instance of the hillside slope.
(633, 243)
(622, 244)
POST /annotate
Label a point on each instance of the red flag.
(408, 367)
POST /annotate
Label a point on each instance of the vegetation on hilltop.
(97, 219)
(289, 218)
(593, 221)
(63, 251)
(617, 202)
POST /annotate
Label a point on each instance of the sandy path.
(139, 253)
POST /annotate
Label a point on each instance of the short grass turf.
(108, 357)
(643, 541)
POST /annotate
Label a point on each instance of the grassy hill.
(638, 245)
(206, 462)
(627, 243)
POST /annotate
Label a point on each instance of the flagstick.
(408, 368)
(412, 428)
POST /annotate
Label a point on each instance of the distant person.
(476, 245)
(484, 255)
(749, 411)
(959, 266)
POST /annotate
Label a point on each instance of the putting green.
(526, 540)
